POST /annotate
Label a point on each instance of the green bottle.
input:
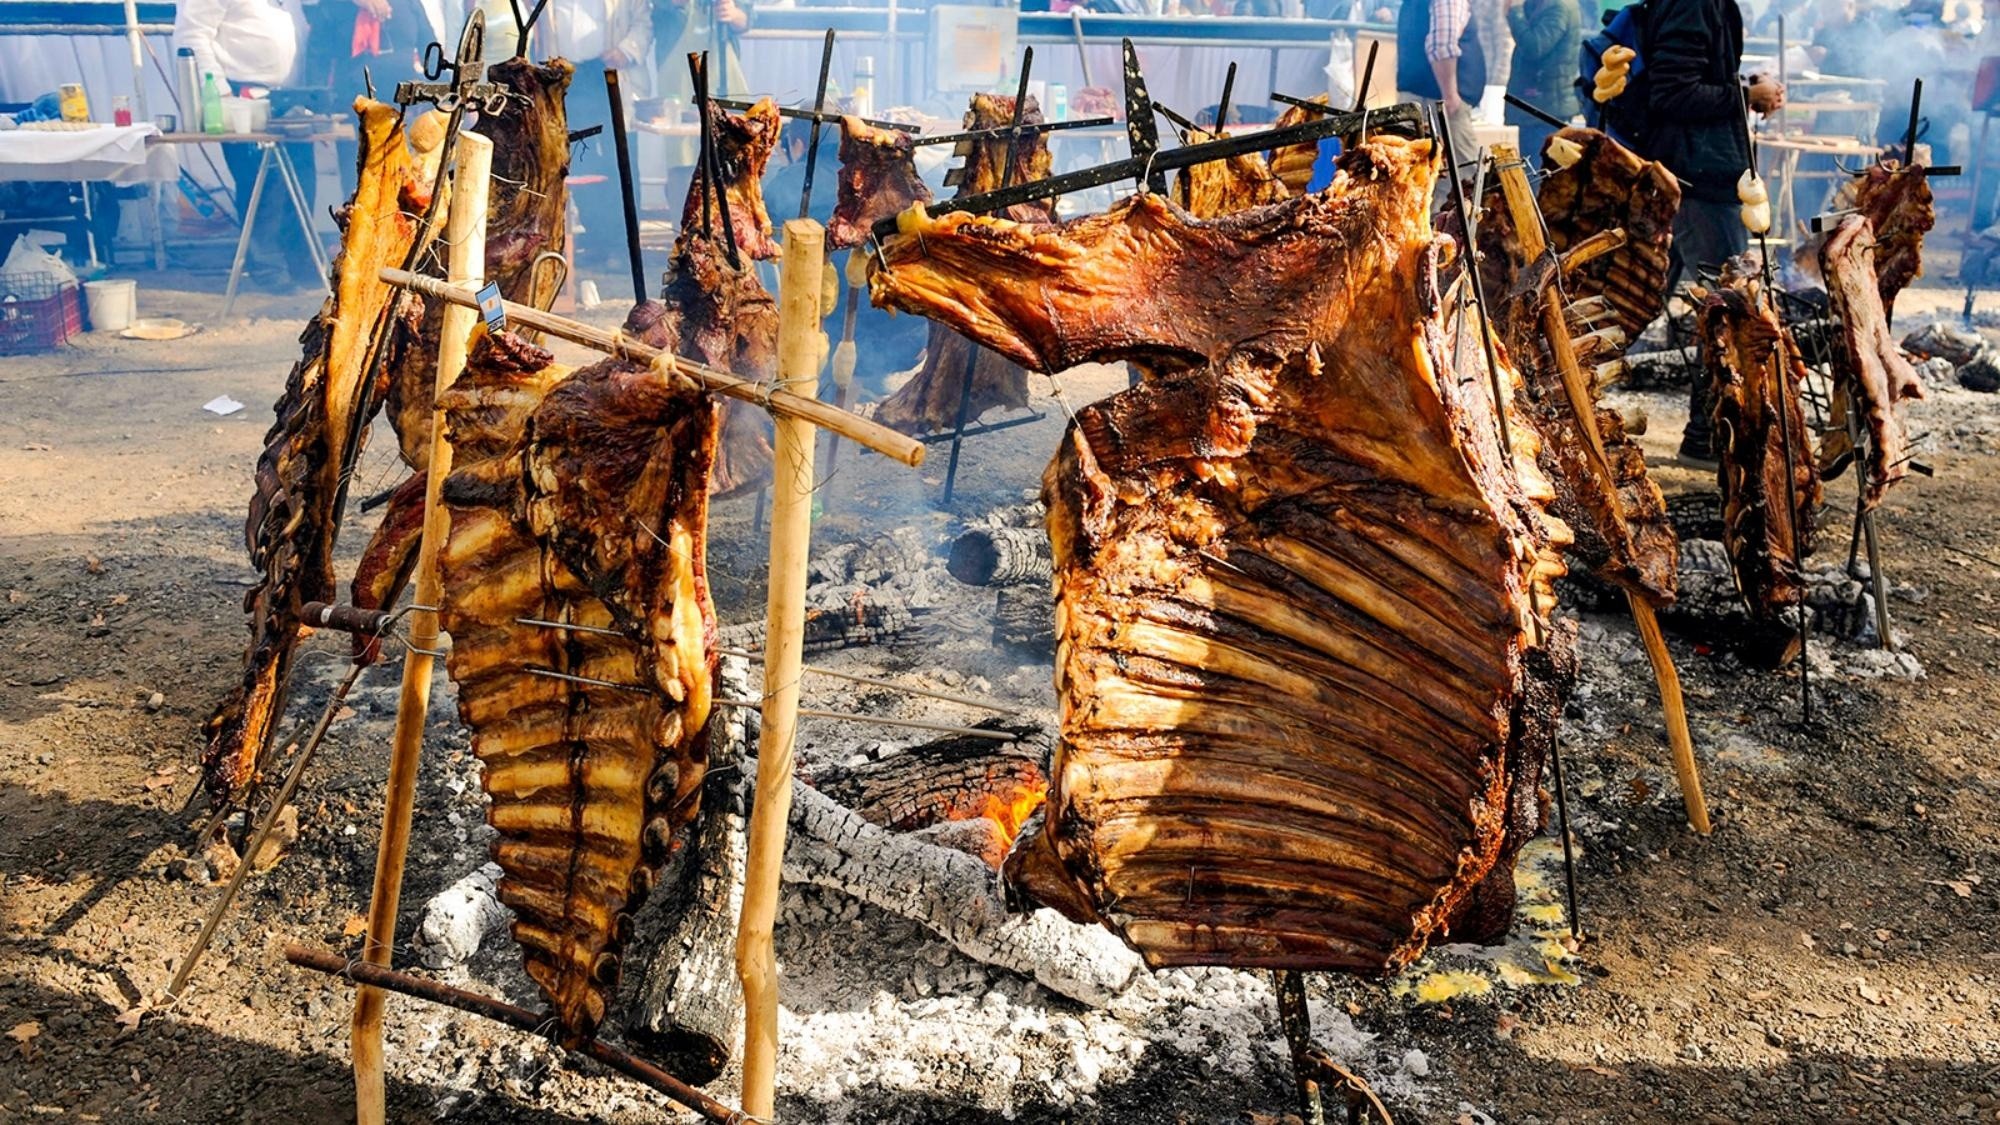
(211, 104)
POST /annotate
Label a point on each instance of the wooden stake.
(1528, 228)
(781, 404)
(465, 235)
(784, 649)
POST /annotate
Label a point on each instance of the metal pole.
(627, 183)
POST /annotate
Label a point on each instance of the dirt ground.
(1827, 955)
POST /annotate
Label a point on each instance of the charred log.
(1001, 556)
(688, 1011)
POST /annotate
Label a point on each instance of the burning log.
(950, 780)
(961, 796)
(953, 894)
(1001, 556)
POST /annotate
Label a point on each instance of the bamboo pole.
(465, 236)
(1555, 323)
(781, 403)
(784, 649)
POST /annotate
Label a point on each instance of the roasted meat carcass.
(526, 222)
(1293, 164)
(1595, 186)
(878, 178)
(1868, 366)
(1305, 662)
(580, 500)
(930, 401)
(295, 512)
(726, 317)
(1621, 528)
(1770, 487)
(1221, 187)
(1896, 200)
(743, 145)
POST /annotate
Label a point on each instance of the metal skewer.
(812, 140)
(968, 700)
(973, 350)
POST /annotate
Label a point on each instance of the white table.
(117, 154)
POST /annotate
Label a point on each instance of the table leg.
(289, 173)
(249, 223)
(89, 226)
(159, 224)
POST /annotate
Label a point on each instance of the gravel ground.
(1826, 955)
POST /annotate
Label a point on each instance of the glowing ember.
(1011, 811)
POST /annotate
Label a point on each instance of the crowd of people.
(1453, 52)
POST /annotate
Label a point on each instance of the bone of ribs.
(1293, 164)
(743, 144)
(928, 403)
(1622, 532)
(1755, 369)
(1869, 366)
(1611, 188)
(1304, 658)
(1220, 187)
(293, 520)
(878, 178)
(527, 216)
(580, 499)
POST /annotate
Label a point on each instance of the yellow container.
(75, 105)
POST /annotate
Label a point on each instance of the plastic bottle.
(864, 86)
(211, 105)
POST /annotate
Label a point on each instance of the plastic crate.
(38, 313)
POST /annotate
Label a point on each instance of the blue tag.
(492, 307)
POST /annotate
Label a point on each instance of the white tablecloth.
(111, 153)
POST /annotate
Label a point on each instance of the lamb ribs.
(1306, 668)
(294, 517)
(1770, 485)
(725, 315)
(878, 178)
(1622, 531)
(527, 217)
(1609, 187)
(1869, 368)
(929, 402)
(580, 499)
(1222, 187)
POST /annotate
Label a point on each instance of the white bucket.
(113, 304)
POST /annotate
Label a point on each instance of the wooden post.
(1555, 323)
(784, 648)
(465, 235)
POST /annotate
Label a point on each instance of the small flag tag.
(492, 307)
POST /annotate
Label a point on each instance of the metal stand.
(288, 174)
